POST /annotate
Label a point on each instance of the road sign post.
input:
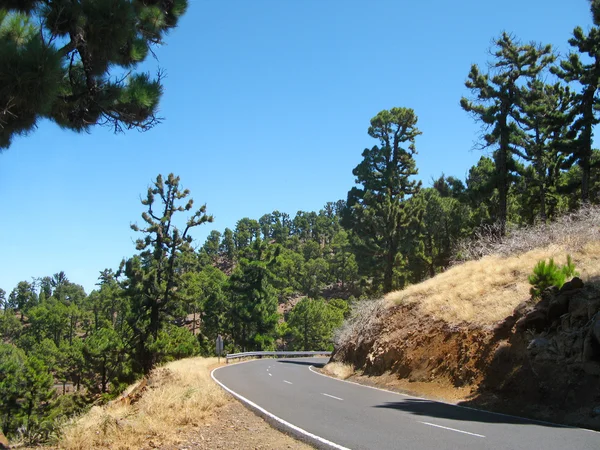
(219, 345)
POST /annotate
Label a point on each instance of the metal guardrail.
(261, 354)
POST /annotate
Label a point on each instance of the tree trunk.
(502, 168)
(543, 214)
(104, 375)
(585, 163)
(388, 276)
(429, 250)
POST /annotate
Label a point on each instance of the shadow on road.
(427, 408)
(302, 363)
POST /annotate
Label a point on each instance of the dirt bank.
(541, 361)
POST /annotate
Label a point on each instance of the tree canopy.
(74, 63)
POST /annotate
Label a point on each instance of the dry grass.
(485, 291)
(364, 314)
(573, 231)
(180, 395)
(493, 281)
(338, 370)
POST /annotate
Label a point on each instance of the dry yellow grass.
(179, 395)
(338, 370)
(485, 291)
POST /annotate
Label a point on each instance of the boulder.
(522, 309)
(575, 283)
(565, 322)
(3, 442)
(538, 345)
(548, 294)
(578, 308)
(591, 347)
(541, 349)
(558, 306)
(535, 320)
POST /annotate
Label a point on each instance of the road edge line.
(542, 422)
(278, 422)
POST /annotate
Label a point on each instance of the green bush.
(550, 274)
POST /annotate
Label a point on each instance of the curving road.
(336, 414)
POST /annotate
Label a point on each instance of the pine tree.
(543, 115)
(311, 324)
(58, 61)
(211, 246)
(376, 210)
(153, 276)
(227, 246)
(586, 72)
(498, 94)
(254, 299)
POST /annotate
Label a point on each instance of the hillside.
(177, 406)
(473, 334)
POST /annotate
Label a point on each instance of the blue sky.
(267, 105)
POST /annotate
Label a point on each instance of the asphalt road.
(356, 417)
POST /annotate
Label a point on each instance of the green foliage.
(497, 97)
(25, 391)
(172, 343)
(583, 66)
(254, 300)
(550, 274)
(311, 324)
(154, 276)
(71, 85)
(376, 211)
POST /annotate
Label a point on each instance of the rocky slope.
(542, 361)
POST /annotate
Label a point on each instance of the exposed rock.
(578, 308)
(565, 322)
(538, 345)
(3, 442)
(575, 283)
(595, 330)
(548, 294)
(535, 320)
(544, 354)
(591, 368)
(558, 306)
(522, 309)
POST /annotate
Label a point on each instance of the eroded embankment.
(542, 361)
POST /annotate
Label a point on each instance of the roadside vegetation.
(177, 396)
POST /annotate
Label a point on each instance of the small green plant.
(550, 274)
(569, 268)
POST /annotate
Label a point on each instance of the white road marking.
(543, 422)
(274, 417)
(332, 396)
(453, 429)
(286, 381)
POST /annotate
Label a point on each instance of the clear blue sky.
(267, 105)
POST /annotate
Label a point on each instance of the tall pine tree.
(497, 95)
(586, 72)
(376, 210)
